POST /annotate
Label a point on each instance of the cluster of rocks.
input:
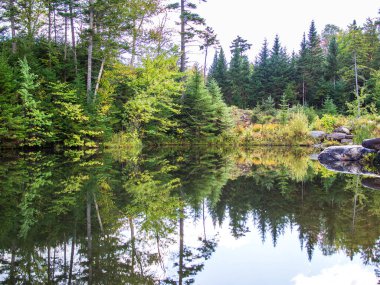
(350, 158)
(341, 134)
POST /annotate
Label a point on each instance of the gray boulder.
(343, 153)
(320, 135)
(337, 136)
(342, 130)
(373, 183)
(348, 167)
(372, 143)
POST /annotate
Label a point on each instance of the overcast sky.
(260, 19)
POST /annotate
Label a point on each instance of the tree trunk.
(89, 237)
(72, 255)
(205, 64)
(55, 26)
(99, 77)
(13, 25)
(98, 215)
(65, 47)
(89, 50)
(356, 83)
(183, 51)
(73, 42)
(181, 247)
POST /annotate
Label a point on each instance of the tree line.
(336, 66)
(78, 73)
(73, 73)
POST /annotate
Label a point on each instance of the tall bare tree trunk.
(65, 46)
(89, 237)
(90, 50)
(205, 64)
(99, 77)
(13, 25)
(356, 83)
(183, 47)
(72, 255)
(49, 20)
(73, 42)
(181, 246)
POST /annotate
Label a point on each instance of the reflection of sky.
(249, 261)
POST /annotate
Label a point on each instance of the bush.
(298, 126)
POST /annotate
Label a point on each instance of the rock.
(313, 156)
(373, 183)
(336, 136)
(318, 135)
(372, 143)
(343, 153)
(349, 167)
(347, 141)
(342, 130)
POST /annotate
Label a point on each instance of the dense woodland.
(80, 73)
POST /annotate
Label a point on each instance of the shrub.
(298, 126)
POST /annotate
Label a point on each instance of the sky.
(255, 20)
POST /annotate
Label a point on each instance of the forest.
(89, 73)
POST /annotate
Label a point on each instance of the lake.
(185, 216)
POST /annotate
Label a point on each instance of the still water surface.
(185, 216)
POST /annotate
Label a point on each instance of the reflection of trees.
(323, 212)
(91, 218)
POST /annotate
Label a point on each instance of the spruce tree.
(36, 122)
(278, 66)
(239, 74)
(221, 73)
(198, 114)
(314, 67)
(260, 76)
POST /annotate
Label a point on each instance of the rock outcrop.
(340, 134)
(373, 183)
(372, 144)
(348, 167)
(343, 153)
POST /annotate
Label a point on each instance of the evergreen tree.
(278, 70)
(331, 72)
(313, 67)
(213, 66)
(11, 121)
(222, 115)
(239, 74)
(260, 76)
(36, 122)
(202, 109)
(221, 73)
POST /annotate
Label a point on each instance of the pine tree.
(198, 114)
(11, 121)
(331, 72)
(222, 115)
(313, 67)
(278, 66)
(221, 73)
(239, 74)
(36, 122)
(260, 76)
(213, 66)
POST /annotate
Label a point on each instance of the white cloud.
(349, 274)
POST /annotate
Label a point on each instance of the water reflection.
(120, 217)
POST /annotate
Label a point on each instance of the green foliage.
(298, 126)
(151, 111)
(203, 109)
(329, 107)
(328, 122)
(36, 123)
